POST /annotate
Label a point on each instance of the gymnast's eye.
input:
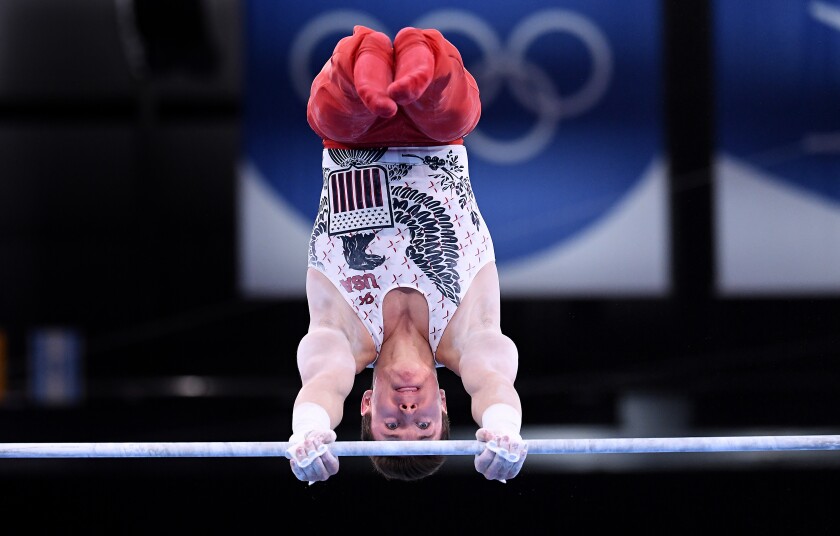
(423, 425)
(391, 425)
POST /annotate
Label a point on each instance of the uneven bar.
(418, 448)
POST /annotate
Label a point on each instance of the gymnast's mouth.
(408, 389)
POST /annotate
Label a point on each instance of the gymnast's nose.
(408, 408)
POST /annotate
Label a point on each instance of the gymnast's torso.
(399, 217)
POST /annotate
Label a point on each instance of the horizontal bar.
(417, 448)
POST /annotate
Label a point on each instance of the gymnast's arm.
(488, 371)
(327, 370)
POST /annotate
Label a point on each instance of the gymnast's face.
(405, 413)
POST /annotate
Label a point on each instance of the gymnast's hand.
(502, 457)
(311, 459)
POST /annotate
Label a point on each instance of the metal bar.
(416, 448)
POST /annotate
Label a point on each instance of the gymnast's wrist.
(502, 419)
(308, 417)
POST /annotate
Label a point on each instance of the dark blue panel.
(778, 89)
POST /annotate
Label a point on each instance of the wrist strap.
(307, 417)
(502, 418)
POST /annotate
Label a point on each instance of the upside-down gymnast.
(402, 275)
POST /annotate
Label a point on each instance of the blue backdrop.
(778, 135)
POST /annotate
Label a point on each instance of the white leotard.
(399, 217)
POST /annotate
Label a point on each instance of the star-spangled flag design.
(359, 199)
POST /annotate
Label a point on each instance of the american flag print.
(359, 199)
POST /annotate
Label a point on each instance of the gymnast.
(401, 274)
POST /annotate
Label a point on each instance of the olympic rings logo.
(502, 63)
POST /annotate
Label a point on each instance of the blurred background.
(661, 178)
